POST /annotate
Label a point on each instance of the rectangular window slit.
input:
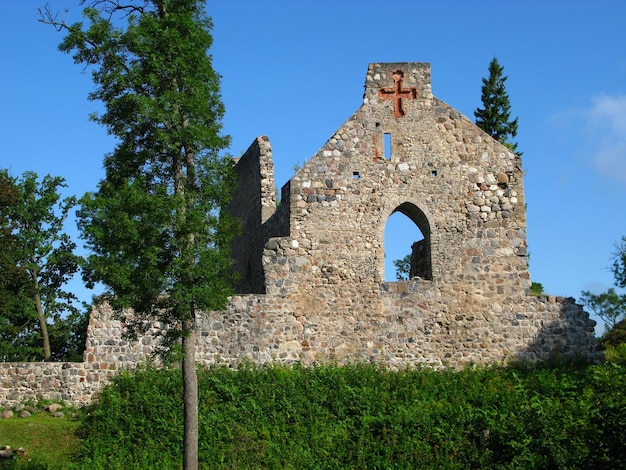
(387, 144)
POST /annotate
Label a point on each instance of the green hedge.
(362, 416)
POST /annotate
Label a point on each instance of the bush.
(616, 354)
(362, 416)
(616, 335)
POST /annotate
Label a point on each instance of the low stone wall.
(75, 383)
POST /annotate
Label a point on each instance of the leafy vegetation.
(610, 306)
(616, 335)
(39, 320)
(614, 342)
(403, 267)
(538, 416)
(536, 288)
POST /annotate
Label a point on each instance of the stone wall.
(75, 383)
(415, 328)
(446, 186)
(254, 205)
(78, 383)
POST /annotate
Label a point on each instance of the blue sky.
(294, 70)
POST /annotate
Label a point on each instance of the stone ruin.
(311, 265)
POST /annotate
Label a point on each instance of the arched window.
(407, 244)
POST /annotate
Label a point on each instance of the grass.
(50, 442)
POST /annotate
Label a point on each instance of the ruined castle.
(311, 265)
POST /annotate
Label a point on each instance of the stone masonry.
(311, 267)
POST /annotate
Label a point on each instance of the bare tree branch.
(111, 7)
(47, 17)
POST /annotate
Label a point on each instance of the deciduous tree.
(403, 267)
(160, 243)
(495, 115)
(37, 259)
(619, 263)
(610, 306)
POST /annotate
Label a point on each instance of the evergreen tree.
(160, 243)
(495, 116)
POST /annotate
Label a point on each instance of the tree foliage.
(610, 306)
(159, 242)
(495, 115)
(37, 260)
(403, 267)
(616, 335)
(619, 263)
(14, 282)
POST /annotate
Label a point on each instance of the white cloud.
(609, 111)
(606, 126)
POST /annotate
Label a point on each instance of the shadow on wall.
(564, 331)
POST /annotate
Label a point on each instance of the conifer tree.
(160, 242)
(495, 116)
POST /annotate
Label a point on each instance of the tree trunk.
(47, 353)
(190, 397)
(44, 328)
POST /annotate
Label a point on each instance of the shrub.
(363, 416)
(616, 335)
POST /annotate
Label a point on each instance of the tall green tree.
(37, 260)
(495, 115)
(159, 240)
(610, 306)
(15, 319)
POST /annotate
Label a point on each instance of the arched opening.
(407, 244)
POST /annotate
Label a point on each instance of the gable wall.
(468, 187)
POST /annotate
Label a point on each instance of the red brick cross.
(396, 93)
